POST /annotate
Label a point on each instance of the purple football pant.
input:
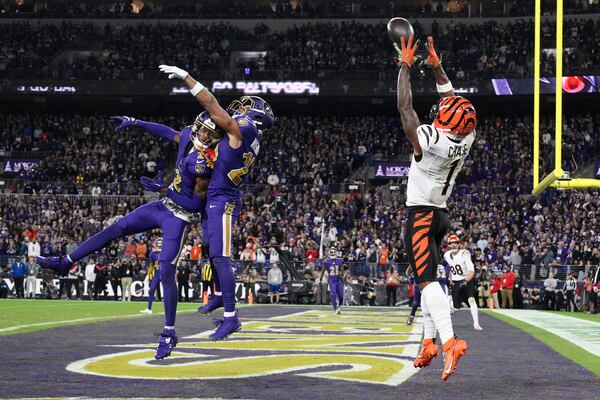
(154, 286)
(336, 289)
(206, 251)
(222, 216)
(144, 218)
(416, 299)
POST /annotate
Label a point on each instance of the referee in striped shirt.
(570, 289)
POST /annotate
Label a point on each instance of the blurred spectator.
(48, 277)
(183, 281)
(114, 275)
(19, 272)
(391, 286)
(274, 279)
(249, 279)
(90, 277)
(320, 287)
(73, 282)
(590, 293)
(33, 248)
(495, 288)
(518, 290)
(550, 292)
(508, 285)
(101, 281)
(126, 281)
(33, 270)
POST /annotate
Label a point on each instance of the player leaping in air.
(185, 198)
(439, 151)
(243, 122)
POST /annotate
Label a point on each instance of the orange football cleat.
(454, 349)
(429, 351)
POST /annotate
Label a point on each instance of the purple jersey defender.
(172, 214)
(243, 121)
(336, 284)
(224, 203)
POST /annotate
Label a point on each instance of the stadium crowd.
(484, 50)
(94, 157)
(291, 199)
(325, 151)
(244, 9)
(275, 9)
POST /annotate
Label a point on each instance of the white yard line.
(90, 319)
(581, 332)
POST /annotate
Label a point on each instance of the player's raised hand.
(153, 185)
(173, 71)
(432, 59)
(406, 54)
(121, 122)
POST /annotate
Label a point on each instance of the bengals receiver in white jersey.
(462, 277)
(439, 151)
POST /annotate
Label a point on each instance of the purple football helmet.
(256, 109)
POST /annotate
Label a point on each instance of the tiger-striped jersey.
(460, 264)
(431, 179)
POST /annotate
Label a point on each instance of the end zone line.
(90, 319)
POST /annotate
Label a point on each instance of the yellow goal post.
(557, 178)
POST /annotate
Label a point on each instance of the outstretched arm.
(159, 130)
(410, 120)
(209, 103)
(443, 84)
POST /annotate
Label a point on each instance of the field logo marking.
(344, 351)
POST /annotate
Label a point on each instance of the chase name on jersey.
(458, 151)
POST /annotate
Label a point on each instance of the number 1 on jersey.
(449, 178)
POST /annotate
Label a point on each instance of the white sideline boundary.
(582, 333)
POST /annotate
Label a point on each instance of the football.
(398, 27)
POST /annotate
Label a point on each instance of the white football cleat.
(477, 327)
(146, 311)
(338, 311)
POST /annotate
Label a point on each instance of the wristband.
(446, 87)
(196, 89)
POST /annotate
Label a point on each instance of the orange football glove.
(432, 59)
(406, 54)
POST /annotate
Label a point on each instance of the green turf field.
(560, 345)
(581, 315)
(19, 316)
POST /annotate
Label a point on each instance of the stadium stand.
(86, 174)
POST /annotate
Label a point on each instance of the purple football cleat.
(168, 341)
(410, 320)
(214, 303)
(61, 265)
(226, 327)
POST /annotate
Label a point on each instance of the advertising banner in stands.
(391, 169)
(16, 165)
(570, 84)
(288, 88)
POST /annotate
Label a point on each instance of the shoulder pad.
(430, 133)
(242, 121)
